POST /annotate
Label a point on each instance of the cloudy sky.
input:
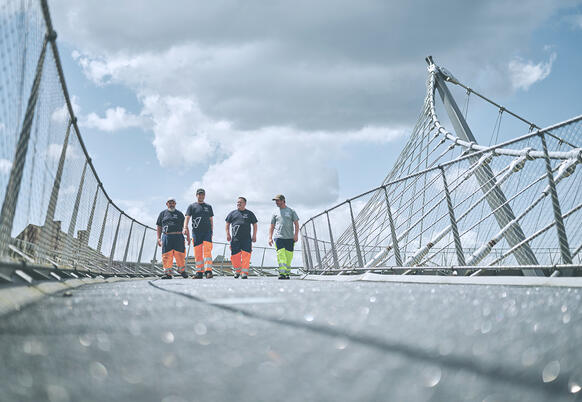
(310, 99)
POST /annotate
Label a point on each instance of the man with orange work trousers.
(240, 243)
(170, 238)
(202, 225)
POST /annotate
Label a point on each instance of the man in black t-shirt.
(202, 225)
(241, 220)
(170, 238)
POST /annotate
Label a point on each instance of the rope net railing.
(452, 206)
(55, 211)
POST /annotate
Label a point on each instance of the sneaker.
(184, 274)
(209, 274)
(236, 276)
(167, 276)
(286, 277)
(244, 276)
(198, 275)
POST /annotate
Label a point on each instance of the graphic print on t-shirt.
(196, 222)
(235, 230)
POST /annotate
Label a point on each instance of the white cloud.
(137, 210)
(114, 120)
(183, 136)
(524, 74)
(5, 166)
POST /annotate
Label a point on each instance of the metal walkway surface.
(265, 340)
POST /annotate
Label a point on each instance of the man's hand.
(228, 238)
(270, 242)
(254, 239)
(160, 242)
(295, 238)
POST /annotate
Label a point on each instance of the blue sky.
(312, 101)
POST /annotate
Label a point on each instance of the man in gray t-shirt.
(285, 229)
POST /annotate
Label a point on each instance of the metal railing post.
(128, 241)
(333, 249)
(317, 255)
(356, 241)
(395, 246)
(73, 222)
(145, 229)
(52, 205)
(307, 249)
(92, 214)
(154, 257)
(455, 229)
(263, 258)
(100, 242)
(17, 170)
(560, 228)
(112, 254)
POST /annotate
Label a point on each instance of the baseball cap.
(200, 191)
(171, 199)
(279, 197)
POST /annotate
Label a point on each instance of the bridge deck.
(265, 340)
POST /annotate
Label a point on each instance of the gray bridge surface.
(266, 340)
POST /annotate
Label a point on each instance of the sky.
(313, 100)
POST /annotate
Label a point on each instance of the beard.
(172, 209)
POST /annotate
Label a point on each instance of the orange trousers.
(203, 256)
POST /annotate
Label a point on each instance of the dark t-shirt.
(201, 214)
(171, 221)
(240, 223)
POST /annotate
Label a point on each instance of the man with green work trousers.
(283, 221)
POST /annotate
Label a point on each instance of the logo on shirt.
(235, 229)
(245, 216)
(196, 222)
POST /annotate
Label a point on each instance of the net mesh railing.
(55, 210)
(452, 206)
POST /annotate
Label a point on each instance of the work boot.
(209, 274)
(184, 274)
(282, 276)
(198, 275)
(236, 275)
(166, 276)
(244, 276)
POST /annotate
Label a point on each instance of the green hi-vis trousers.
(284, 255)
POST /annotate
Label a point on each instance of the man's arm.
(271, 229)
(228, 238)
(254, 239)
(211, 224)
(296, 237)
(159, 236)
(185, 230)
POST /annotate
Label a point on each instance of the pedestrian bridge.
(455, 279)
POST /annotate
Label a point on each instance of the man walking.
(241, 220)
(170, 238)
(202, 225)
(282, 223)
